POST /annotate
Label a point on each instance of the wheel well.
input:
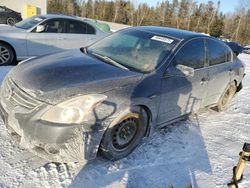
(1, 41)
(149, 114)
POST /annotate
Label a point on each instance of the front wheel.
(6, 54)
(226, 97)
(121, 139)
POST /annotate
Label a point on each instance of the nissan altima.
(40, 35)
(107, 97)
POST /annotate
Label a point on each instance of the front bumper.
(54, 142)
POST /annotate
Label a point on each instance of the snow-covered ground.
(201, 151)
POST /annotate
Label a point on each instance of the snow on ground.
(201, 151)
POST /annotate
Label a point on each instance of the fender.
(123, 108)
(17, 42)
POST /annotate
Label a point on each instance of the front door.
(48, 41)
(182, 94)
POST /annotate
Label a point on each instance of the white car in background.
(46, 34)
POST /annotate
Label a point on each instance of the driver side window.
(191, 54)
(53, 26)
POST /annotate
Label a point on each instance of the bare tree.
(214, 12)
(191, 8)
(185, 14)
(117, 6)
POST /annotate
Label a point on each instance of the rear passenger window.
(90, 29)
(78, 27)
(191, 55)
(218, 53)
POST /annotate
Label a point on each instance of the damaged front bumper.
(54, 142)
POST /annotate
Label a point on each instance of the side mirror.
(40, 28)
(187, 71)
(179, 71)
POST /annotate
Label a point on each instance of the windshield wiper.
(109, 60)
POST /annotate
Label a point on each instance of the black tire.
(226, 97)
(11, 21)
(136, 120)
(7, 56)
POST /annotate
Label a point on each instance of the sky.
(226, 5)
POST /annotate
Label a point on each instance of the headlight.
(73, 110)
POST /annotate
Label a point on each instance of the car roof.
(59, 16)
(5, 7)
(171, 32)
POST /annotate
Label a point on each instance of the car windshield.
(137, 50)
(30, 22)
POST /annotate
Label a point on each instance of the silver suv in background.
(41, 35)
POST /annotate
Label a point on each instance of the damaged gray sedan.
(107, 97)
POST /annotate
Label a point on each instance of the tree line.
(182, 14)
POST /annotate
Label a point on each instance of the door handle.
(203, 80)
(230, 71)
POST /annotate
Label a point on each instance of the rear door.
(183, 94)
(220, 69)
(78, 34)
(48, 41)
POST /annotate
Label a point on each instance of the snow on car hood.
(7, 28)
(56, 77)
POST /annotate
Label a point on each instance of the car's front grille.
(12, 93)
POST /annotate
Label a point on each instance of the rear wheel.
(11, 21)
(226, 97)
(6, 54)
(120, 139)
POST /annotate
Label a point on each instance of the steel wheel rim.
(4, 55)
(225, 98)
(228, 96)
(10, 21)
(124, 133)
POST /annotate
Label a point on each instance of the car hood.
(9, 29)
(60, 76)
